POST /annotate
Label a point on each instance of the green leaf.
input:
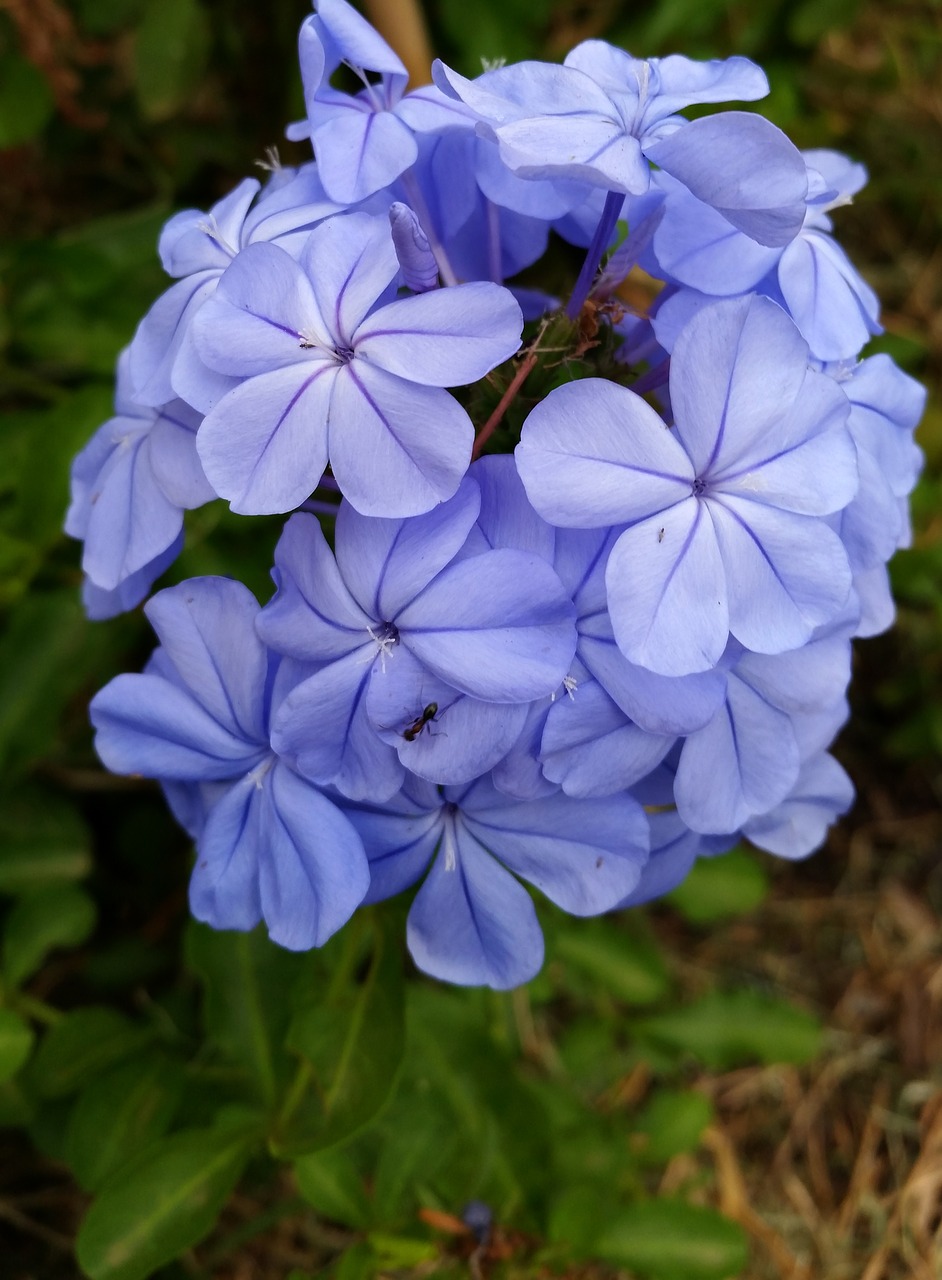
(627, 965)
(59, 916)
(169, 55)
(26, 101)
(397, 1252)
(671, 1240)
(162, 1203)
(247, 982)
(727, 1028)
(352, 1043)
(723, 886)
(672, 1122)
(330, 1181)
(16, 1041)
(78, 1048)
(119, 1113)
(43, 841)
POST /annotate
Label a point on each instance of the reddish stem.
(493, 422)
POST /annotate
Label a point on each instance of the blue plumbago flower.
(130, 486)
(723, 536)
(363, 142)
(270, 845)
(603, 116)
(471, 921)
(477, 671)
(811, 277)
(397, 624)
(329, 375)
(197, 248)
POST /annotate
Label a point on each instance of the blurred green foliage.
(161, 1062)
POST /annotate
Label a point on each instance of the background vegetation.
(745, 1080)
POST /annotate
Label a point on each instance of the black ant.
(429, 714)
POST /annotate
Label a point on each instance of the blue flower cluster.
(617, 640)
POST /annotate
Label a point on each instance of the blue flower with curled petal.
(723, 512)
(362, 141)
(130, 486)
(603, 117)
(270, 845)
(326, 374)
(472, 922)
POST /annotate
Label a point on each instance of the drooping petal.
(148, 726)
(799, 825)
(833, 306)
(498, 626)
(742, 165)
(473, 924)
(745, 761)
(593, 453)
(313, 871)
(173, 457)
(667, 592)
(445, 338)
(264, 446)
(224, 884)
(396, 448)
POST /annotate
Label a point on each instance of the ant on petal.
(429, 713)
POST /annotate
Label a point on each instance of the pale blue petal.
(498, 626)
(787, 573)
(445, 338)
(593, 453)
(799, 825)
(473, 924)
(745, 761)
(264, 446)
(386, 563)
(396, 448)
(350, 262)
(667, 592)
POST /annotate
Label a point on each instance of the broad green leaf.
(26, 101)
(727, 1028)
(43, 841)
(352, 1044)
(162, 1203)
(627, 965)
(16, 1109)
(330, 1182)
(671, 1240)
(38, 659)
(579, 1215)
(727, 885)
(419, 1140)
(357, 1263)
(670, 1123)
(119, 1113)
(169, 55)
(59, 916)
(16, 1041)
(84, 1043)
(247, 982)
(396, 1252)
